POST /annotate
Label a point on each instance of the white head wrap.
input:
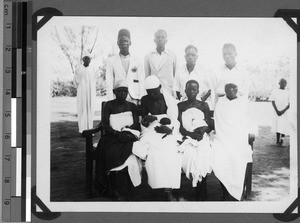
(86, 53)
(120, 83)
(152, 82)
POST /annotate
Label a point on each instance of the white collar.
(124, 57)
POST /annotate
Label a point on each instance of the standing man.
(192, 71)
(85, 82)
(124, 66)
(161, 62)
(230, 72)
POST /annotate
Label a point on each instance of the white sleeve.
(109, 75)
(176, 84)
(76, 77)
(141, 80)
(147, 66)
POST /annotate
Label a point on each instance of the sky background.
(256, 39)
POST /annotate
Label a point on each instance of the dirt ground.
(271, 163)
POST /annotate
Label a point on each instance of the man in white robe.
(162, 62)
(231, 151)
(124, 66)
(85, 82)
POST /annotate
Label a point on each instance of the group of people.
(163, 115)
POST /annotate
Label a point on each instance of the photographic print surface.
(266, 48)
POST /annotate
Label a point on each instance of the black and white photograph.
(167, 114)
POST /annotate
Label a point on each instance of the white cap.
(86, 53)
(120, 83)
(152, 82)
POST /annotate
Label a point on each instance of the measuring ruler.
(7, 74)
(16, 168)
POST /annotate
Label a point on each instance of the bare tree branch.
(94, 41)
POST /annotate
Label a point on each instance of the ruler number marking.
(8, 48)
(7, 114)
(6, 12)
(7, 201)
(7, 157)
(8, 70)
(7, 136)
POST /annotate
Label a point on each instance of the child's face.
(282, 84)
(231, 91)
(191, 90)
(191, 56)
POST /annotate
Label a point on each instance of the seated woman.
(158, 142)
(231, 150)
(195, 124)
(121, 126)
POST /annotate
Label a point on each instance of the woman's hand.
(196, 135)
(125, 136)
(163, 129)
(148, 119)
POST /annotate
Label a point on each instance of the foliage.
(74, 43)
(61, 88)
(265, 77)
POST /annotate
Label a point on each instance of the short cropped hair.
(160, 31)
(191, 47)
(229, 45)
(192, 82)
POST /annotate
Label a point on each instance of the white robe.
(231, 151)
(281, 123)
(163, 162)
(197, 155)
(85, 82)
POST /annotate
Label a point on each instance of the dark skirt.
(111, 153)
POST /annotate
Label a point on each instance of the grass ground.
(270, 162)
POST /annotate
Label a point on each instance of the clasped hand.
(125, 136)
(198, 133)
(279, 113)
(148, 119)
(163, 129)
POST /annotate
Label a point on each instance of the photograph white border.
(43, 169)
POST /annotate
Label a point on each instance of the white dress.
(280, 124)
(85, 82)
(231, 150)
(163, 162)
(197, 155)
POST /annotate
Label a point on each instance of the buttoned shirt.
(199, 73)
(238, 75)
(164, 66)
(125, 61)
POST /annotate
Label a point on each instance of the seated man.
(121, 126)
(158, 142)
(195, 124)
(231, 151)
